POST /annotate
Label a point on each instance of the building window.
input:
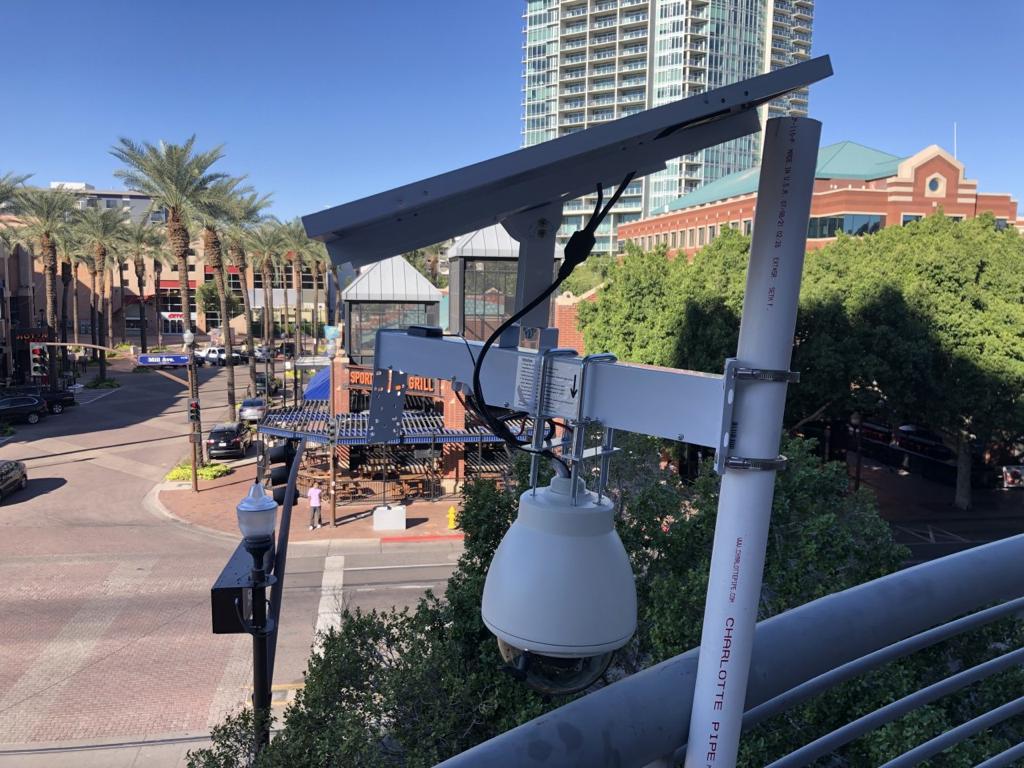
(489, 295)
(158, 217)
(933, 185)
(849, 223)
(689, 238)
(711, 232)
(366, 318)
(700, 236)
(234, 283)
(748, 227)
(1001, 224)
(909, 217)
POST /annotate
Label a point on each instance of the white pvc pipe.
(744, 507)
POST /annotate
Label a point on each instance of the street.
(106, 653)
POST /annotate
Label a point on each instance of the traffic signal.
(39, 360)
(278, 462)
(193, 410)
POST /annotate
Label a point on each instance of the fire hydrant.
(453, 522)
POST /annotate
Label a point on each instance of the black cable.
(575, 253)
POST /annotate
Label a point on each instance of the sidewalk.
(213, 509)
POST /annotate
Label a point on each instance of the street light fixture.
(855, 422)
(257, 518)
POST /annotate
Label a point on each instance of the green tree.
(142, 239)
(916, 324)
(46, 214)
(300, 251)
(10, 184)
(265, 244)
(210, 300)
(245, 213)
(101, 231)
(178, 180)
(427, 261)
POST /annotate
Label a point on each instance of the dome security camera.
(560, 594)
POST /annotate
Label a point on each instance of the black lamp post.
(196, 436)
(855, 423)
(257, 517)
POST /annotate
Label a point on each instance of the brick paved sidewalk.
(213, 508)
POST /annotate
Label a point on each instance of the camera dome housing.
(560, 584)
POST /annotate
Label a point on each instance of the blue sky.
(325, 101)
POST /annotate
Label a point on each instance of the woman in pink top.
(314, 507)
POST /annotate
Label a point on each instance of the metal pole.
(193, 392)
(856, 477)
(260, 656)
(744, 509)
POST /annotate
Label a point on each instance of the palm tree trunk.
(287, 311)
(74, 306)
(315, 269)
(65, 279)
(268, 308)
(121, 291)
(177, 237)
(237, 256)
(108, 303)
(213, 256)
(99, 263)
(140, 277)
(158, 268)
(94, 337)
(49, 249)
(297, 281)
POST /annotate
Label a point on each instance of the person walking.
(314, 507)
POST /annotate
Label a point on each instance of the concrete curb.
(151, 502)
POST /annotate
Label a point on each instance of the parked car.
(261, 385)
(262, 353)
(13, 477)
(231, 440)
(286, 349)
(252, 409)
(199, 356)
(56, 402)
(222, 357)
(23, 408)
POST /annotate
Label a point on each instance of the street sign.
(320, 361)
(173, 360)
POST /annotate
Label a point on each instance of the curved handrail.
(646, 716)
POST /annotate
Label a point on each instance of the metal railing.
(644, 719)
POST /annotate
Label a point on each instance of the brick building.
(857, 190)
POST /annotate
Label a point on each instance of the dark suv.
(230, 440)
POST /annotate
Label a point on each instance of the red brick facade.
(923, 183)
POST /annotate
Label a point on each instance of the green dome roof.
(845, 160)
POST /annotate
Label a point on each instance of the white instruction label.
(561, 386)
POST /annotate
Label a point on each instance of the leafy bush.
(6, 430)
(412, 687)
(210, 471)
(98, 383)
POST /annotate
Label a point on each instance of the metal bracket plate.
(777, 464)
(387, 401)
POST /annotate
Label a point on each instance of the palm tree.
(101, 231)
(300, 253)
(319, 269)
(70, 249)
(178, 179)
(46, 213)
(244, 214)
(9, 187)
(226, 193)
(141, 240)
(160, 256)
(264, 243)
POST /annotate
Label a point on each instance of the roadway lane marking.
(328, 614)
(392, 587)
(396, 567)
(95, 397)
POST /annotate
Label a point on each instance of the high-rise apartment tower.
(588, 61)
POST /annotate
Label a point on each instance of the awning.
(312, 422)
(319, 386)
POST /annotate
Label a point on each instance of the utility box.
(234, 583)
